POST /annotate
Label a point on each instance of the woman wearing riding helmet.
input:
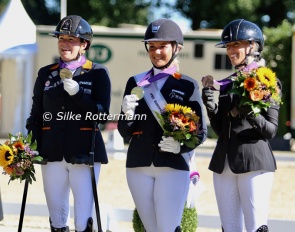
(61, 101)
(159, 180)
(243, 163)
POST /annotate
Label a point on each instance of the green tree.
(276, 52)
(111, 13)
(97, 12)
(40, 13)
(213, 14)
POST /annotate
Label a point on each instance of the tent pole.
(63, 9)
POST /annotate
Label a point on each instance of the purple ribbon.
(72, 65)
(146, 80)
(228, 80)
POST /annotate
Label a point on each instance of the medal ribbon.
(72, 65)
(153, 97)
(146, 80)
(228, 79)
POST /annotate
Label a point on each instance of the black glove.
(246, 111)
(208, 99)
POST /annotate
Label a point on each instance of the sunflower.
(172, 108)
(6, 155)
(177, 108)
(266, 76)
(250, 84)
(186, 110)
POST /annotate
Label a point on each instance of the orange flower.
(18, 145)
(249, 83)
(176, 75)
(183, 118)
(192, 126)
(256, 95)
(8, 170)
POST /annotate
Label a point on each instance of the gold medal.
(207, 81)
(138, 91)
(65, 73)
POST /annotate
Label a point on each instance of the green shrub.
(137, 223)
(189, 221)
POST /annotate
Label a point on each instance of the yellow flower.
(6, 155)
(186, 110)
(250, 83)
(172, 107)
(266, 76)
(178, 108)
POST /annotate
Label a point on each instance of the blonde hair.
(176, 62)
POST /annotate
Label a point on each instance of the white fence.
(110, 217)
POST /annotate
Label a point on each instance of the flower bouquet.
(257, 88)
(17, 157)
(181, 123)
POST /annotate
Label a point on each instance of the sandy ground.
(113, 192)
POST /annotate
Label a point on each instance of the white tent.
(17, 66)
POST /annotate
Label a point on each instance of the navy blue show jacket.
(145, 135)
(68, 133)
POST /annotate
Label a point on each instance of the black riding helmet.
(164, 30)
(74, 25)
(241, 29)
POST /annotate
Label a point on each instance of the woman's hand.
(168, 144)
(71, 86)
(129, 104)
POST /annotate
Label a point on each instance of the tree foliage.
(276, 52)
(214, 14)
(97, 12)
(40, 13)
(111, 13)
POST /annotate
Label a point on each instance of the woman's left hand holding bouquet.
(169, 144)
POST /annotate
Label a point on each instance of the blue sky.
(184, 23)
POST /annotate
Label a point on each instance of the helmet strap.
(247, 61)
(145, 45)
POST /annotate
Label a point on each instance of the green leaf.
(33, 146)
(38, 158)
(29, 137)
(162, 122)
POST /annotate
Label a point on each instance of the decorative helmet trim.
(74, 25)
(240, 29)
(163, 30)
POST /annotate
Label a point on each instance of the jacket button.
(63, 107)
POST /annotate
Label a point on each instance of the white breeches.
(58, 179)
(159, 194)
(243, 199)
